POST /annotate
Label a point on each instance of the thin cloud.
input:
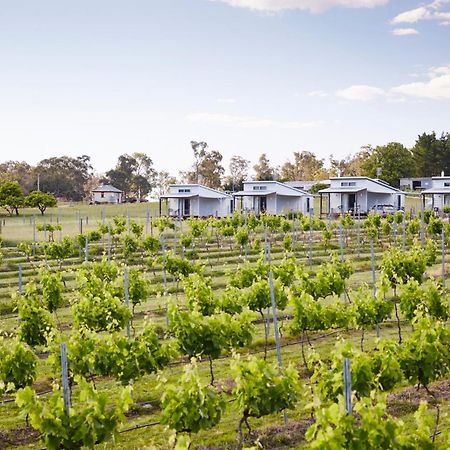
(430, 12)
(437, 87)
(317, 93)
(249, 121)
(404, 31)
(361, 92)
(315, 6)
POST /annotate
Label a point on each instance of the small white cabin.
(353, 194)
(439, 192)
(416, 184)
(196, 200)
(272, 197)
(106, 193)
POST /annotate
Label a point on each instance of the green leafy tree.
(431, 154)
(65, 176)
(11, 197)
(263, 170)
(40, 200)
(394, 160)
(238, 173)
(305, 166)
(19, 171)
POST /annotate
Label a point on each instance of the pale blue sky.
(106, 77)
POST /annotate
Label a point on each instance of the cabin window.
(259, 188)
(102, 195)
(446, 184)
(348, 183)
(184, 190)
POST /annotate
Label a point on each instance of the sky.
(107, 77)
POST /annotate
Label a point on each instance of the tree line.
(73, 178)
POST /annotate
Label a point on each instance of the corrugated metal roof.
(342, 190)
(261, 193)
(179, 195)
(106, 188)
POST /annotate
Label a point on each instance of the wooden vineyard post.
(394, 225)
(147, 221)
(86, 250)
(127, 298)
(348, 387)
(34, 235)
(443, 257)
(20, 285)
(65, 379)
(109, 243)
(163, 249)
(404, 232)
(341, 241)
(374, 280)
(175, 250)
(310, 236)
(359, 233)
(422, 224)
(267, 261)
(275, 327)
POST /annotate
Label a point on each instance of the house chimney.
(442, 173)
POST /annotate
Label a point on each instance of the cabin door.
(186, 207)
(262, 204)
(351, 202)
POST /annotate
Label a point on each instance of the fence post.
(341, 241)
(163, 249)
(310, 236)
(34, 235)
(443, 256)
(394, 225)
(65, 378)
(275, 327)
(86, 250)
(109, 243)
(347, 387)
(127, 298)
(422, 223)
(20, 278)
(404, 231)
(359, 233)
(374, 279)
